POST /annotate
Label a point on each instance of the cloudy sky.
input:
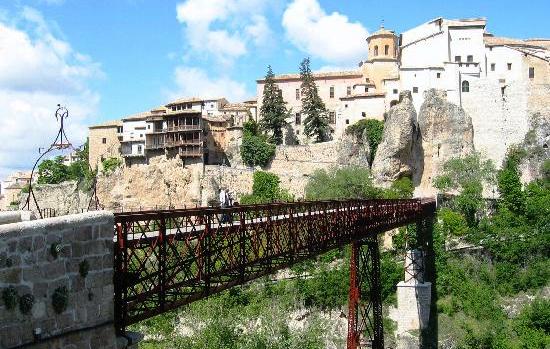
(104, 59)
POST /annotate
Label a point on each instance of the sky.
(104, 59)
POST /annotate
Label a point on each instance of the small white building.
(134, 129)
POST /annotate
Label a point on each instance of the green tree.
(110, 164)
(467, 176)
(316, 122)
(273, 112)
(255, 150)
(371, 130)
(53, 171)
(509, 182)
(351, 182)
(266, 188)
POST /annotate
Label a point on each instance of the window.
(493, 66)
(438, 75)
(332, 117)
(140, 149)
(470, 59)
(298, 119)
(465, 86)
(148, 127)
(348, 92)
(331, 92)
(395, 91)
(119, 129)
(363, 114)
(376, 50)
(297, 94)
(386, 49)
(366, 89)
(280, 93)
(104, 140)
(345, 106)
(457, 59)
(531, 72)
(509, 66)
(415, 89)
(347, 121)
(211, 105)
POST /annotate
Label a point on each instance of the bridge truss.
(165, 259)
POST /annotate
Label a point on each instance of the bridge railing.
(164, 259)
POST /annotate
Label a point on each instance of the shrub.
(372, 130)
(255, 150)
(266, 188)
(110, 164)
(351, 182)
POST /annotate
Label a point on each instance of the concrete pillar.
(413, 302)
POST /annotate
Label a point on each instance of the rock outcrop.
(161, 183)
(446, 131)
(353, 152)
(537, 147)
(397, 154)
(60, 199)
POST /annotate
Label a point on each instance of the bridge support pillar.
(365, 327)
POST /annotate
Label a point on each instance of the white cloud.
(331, 37)
(192, 81)
(38, 70)
(223, 29)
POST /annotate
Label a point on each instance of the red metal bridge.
(165, 259)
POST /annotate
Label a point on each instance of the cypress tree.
(273, 112)
(316, 122)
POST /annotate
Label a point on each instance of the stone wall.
(39, 257)
(64, 198)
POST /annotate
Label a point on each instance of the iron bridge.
(166, 259)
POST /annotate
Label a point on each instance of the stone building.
(498, 81)
(104, 142)
(11, 187)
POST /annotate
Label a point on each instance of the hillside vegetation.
(490, 293)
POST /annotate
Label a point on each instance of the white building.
(134, 129)
(500, 82)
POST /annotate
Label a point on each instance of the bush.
(371, 129)
(110, 164)
(351, 182)
(266, 188)
(255, 150)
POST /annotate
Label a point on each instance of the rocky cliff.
(446, 132)
(161, 183)
(64, 198)
(398, 153)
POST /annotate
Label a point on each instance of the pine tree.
(273, 112)
(316, 122)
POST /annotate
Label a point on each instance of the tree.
(342, 183)
(273, 112)
(316, 122)
(255, 150)
(370, 130)
(509, 182)
(266, 188)
(53, 171)
(467, 176)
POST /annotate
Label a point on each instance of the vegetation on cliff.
(369, 130)
(488, 293)
(54, 171)
(255, 149)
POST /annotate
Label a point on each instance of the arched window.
(386, 49)
(376, 50)
(465, 86)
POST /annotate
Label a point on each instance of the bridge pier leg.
(365, 297)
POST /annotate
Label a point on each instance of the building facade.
(104, 142)
(498, 81)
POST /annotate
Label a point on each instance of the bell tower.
(382, 45)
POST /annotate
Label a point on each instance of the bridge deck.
(164, 259)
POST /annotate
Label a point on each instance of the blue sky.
(108, 58)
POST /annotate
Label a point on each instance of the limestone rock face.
(537, 147)
(63, 198)
(161, 183)
(353, 152)
(397, 154)
(446, 131)
(233, 151)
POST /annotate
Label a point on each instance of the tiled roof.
(137, 116)
(111, 123)
(319, 75)
(235, 107)
(364, 95)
